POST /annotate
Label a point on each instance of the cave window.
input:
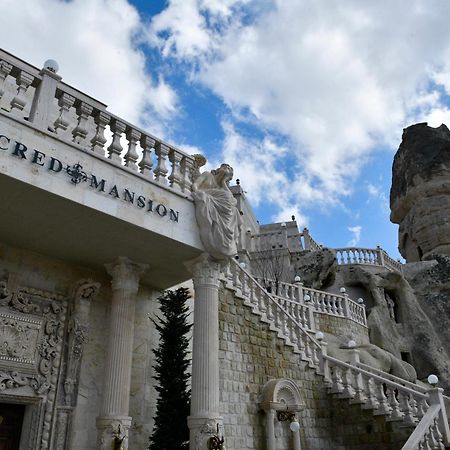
(406, 356)
(392, 304)
(420, 253)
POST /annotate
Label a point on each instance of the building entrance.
(11, 418)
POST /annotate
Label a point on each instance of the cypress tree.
(171, 373)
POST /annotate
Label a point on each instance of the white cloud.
(95, 44)
(356, 232)
(337, 79)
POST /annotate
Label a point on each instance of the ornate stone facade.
(32, 323)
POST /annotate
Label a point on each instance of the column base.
(201, 429)
(113, 429)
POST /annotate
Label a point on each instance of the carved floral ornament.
(31, 336)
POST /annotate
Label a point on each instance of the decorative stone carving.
(205, 432)
(111, 431)
(32, 324)
(78, 329)
(281, 396)
(216, 212)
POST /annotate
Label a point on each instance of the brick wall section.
(341, 326)
(251, 355)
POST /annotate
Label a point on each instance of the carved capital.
(125, 274)
(205, 271)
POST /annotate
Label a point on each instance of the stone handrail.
(308, 242)
(73, 117)
(366, 256)
(322, 302)
(392, 378)
(427, 433)
(403, 401)
(289, 322)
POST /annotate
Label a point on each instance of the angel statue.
(216, 212)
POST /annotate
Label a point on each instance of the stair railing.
(388, 395)
(432, 432)
(284, 318)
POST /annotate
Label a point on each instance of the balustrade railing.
(391, 396)
(366, 256)
(320, 301)
(384, 394)
(43, 101)
(291, 320)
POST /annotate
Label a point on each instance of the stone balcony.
(83, 185)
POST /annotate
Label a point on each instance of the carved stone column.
(84, 293)
(205, 353)
(114, 421)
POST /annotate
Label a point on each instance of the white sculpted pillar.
(114, 421)
(205, 353)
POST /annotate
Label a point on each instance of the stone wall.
(341, 326)
(51, 275)
(250, 355)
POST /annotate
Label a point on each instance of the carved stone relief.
(32, 324)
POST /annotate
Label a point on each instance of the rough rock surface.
(408, 318)
(420, 192)
(372, 355)
(317, 269)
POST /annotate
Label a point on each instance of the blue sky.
(307, 99)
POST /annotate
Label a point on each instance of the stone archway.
(281, 400)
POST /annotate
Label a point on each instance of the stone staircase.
(399, 401)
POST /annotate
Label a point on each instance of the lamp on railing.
(433, 380)
(319, 336)
(342, 290)
(297, 279)
(360, 301)
(294, 426)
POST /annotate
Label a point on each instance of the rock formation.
(420, 192)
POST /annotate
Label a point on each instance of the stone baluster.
(408, 416)
(436, 397)
(205, 352)
(65, 102)
(187, 166)
(324, 365)
(42, 106)
(383, 405)
(349, 391)
(114, 411)
(147, 144)
(81, 130)
(396, 414)
(345, 306)
(372, 401)
(161, 171)
(115, 149)
(175, 176)
(359, 396)
(131, 156)
(5, 70)
(337, 386)
(23, 81)
(98, 142)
